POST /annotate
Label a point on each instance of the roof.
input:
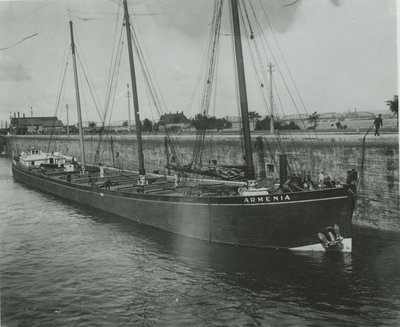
(176, 118)
(36, 121)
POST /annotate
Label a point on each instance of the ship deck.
(128, 182)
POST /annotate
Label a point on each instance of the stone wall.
(377, 162)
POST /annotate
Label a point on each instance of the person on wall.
(378, 123)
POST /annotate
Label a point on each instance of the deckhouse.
(36, 158)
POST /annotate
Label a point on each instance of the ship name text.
(266, 198)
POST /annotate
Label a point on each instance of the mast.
(248, 152)
(142, 171)
(78, 101)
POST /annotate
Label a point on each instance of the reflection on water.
(64, 264)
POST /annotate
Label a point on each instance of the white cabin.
(35, 157)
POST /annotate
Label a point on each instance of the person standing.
(378, 123)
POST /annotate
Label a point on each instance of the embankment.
(377, 162)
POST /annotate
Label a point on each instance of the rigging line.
(205, 82)
(66, 56)
(280, 72)
(20, 41)
(278, 137)
(88, 83)
(272, 156)
(289, 72)
(149, 82)
(212, 50)
(197, 83)
(263, 79)
(67, 51)
(215, 55)
(153, 113)
(278, 96)
(145, 71)
(293, 148)
(115, 45)
(284, 60)
(248, 20)
(112, 93)
(214, 105)
(150, 69)
(261, 32)
(112, 74)
(115, 89)
(292, 3)
(207, 63)
(284, 132)
(59, 98)
(88, 78)
(211, 55)
(202, 68)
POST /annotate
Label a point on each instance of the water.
(68, 265)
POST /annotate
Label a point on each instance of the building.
(176, 122)
(36, 125)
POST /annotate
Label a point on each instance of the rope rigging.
(152, 85)
(264, 40)
(111, 91)
(208, 82)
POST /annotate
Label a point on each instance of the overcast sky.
(341, 54)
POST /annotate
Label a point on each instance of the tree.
(73, 129)
(147, 125)
(92, 127)
(254, 117)
(394, 105)
(313, 119)
(223, 123)
(281, 125)
(202, 122)
(263, 124)
(125, 123)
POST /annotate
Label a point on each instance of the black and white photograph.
(199, 163)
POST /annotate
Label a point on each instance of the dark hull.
(280, 222)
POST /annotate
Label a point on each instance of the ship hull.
(290, 220)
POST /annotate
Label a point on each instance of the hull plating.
(282, 222)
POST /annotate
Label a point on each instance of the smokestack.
(23, 115)
(15, 115)
(18, 114)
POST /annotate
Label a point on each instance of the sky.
(335, 55)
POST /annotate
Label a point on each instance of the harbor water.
(63, 264)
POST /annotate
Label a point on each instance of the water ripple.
(66, 265)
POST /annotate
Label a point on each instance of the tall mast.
(142, 171)
(78, 101)
(248, 152)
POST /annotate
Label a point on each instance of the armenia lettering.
(266, 198)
